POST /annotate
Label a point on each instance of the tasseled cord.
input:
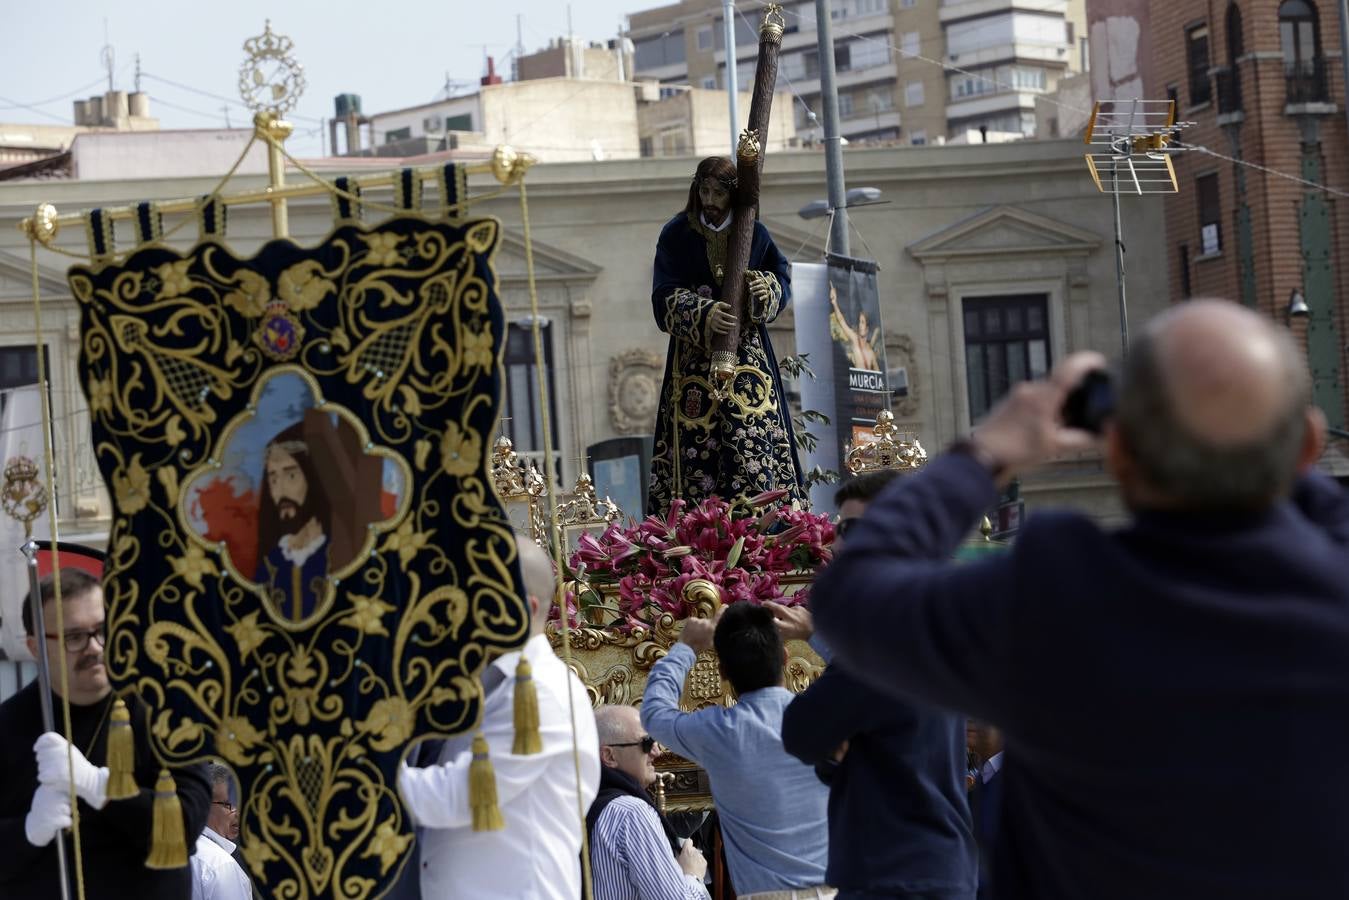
(168, 847)
(527, 740)
(121, 754)
(482, 789)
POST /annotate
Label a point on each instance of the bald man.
(537, 855)
(1174, 695)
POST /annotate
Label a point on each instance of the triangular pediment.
(1005, 230)
(797, 244)
(550, 263)
(16, 278)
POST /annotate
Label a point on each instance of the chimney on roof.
(491, 77)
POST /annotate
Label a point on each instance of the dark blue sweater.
(1174, 695)
(899, 822)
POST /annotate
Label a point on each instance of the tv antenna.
(1131, 143)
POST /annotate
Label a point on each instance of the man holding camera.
(1116, 661)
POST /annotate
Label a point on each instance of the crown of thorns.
(729, 183)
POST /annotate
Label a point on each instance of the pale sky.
(393, 54)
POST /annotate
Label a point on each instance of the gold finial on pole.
(270, 83)
(43, 225)
(23, 495)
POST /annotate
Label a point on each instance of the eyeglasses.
(647, 744)
(843, 526)
(225, 803)
(76, 641)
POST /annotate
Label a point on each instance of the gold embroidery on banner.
(319, 804)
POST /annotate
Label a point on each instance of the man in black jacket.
(1167, 691)
(899, 821)
(34, 775)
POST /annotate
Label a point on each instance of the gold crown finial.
(774, 24)
(888, 450)
(270, 80)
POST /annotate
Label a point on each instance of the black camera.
(1088, 405)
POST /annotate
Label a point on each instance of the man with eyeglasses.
(215, 874)
(634, 852)
(37, 769)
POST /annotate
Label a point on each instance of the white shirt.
(537, 855)
(215, 874)
(725, 223)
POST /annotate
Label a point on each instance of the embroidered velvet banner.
(307, 564)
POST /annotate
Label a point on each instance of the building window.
(843, 58)
(662, 50)
(845, 106)
(520, 399)
(913, 93)
(918, 137)
(18, 368)
(907, 4)
(1210, 214)
(1006, 341)
(880, 100)
(1197, 62)
(868, 53)
(1186, 289)
(709, 82)
(1302, 63)
(705, 38)
(1229, 79)
(910, 44)
(397, 134)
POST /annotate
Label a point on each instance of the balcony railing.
(1306, 80)
(1228, 84)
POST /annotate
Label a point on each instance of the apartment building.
(912, 71)
(1262, 82)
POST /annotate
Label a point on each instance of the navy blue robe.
(295, 598)
(740, 446)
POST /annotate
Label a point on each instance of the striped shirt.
(630, 858)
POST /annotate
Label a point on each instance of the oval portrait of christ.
(294, 498)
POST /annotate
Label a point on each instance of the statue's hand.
(763, 295)
(760, 287)
(720, 318)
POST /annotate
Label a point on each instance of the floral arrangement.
(744, 547)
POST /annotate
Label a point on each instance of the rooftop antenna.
(519, 46)
(1131, 153)
(108, 56)
(138, 73)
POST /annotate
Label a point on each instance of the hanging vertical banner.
(307, 564)
(838, 324)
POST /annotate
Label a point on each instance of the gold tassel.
(121, 754)
(482, 789)
(527, 740)
(168, 847)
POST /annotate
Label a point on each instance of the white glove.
(50, 813)
(53, 768)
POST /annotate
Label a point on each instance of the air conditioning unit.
(433, 124)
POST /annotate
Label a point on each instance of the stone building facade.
(969, 233)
